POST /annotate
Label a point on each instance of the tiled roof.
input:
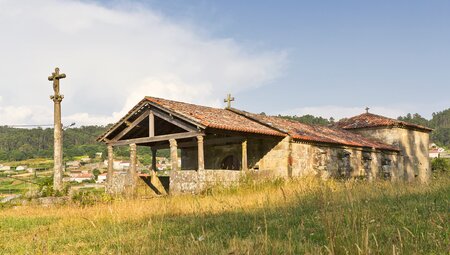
(368, 120)
(214, 117)
(316, 133)
(240, 121)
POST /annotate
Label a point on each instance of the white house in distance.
(21, 168)
(81, 177)
(4, 168)
(436, 151)
(101, 178)
(118, 165)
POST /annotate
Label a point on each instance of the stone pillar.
(201, 155)
(174, 154)
(57, 151)
(110, 172)
(154, 159)
(244, 156)
(133, 171)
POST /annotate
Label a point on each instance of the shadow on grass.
(317, 223)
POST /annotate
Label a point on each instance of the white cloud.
(339, 112)
(113, 57)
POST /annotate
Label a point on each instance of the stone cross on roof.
(228, 100)
(367, 109)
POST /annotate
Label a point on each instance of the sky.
(326, 58)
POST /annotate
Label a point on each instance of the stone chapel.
(210, 146)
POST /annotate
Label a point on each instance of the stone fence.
(195, 181)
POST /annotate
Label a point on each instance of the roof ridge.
(175, 101)
(246, 114)
(346, 123)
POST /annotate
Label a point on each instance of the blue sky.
(328, 58)
(343, 53)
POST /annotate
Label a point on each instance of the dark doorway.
(230, 163)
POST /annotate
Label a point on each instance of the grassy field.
(306, 216)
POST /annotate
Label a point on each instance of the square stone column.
(201, 155)
(244, 156)
(174, 154)
(109, 175)
(133, 170)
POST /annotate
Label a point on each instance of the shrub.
(440, 164)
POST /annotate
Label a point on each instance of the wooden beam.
(131, 126)
(207, 141)
(163, 109)
(157, 138)
(176, 122)
(136, 109)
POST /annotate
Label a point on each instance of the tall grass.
(305, 216)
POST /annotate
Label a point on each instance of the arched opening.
(230, 162)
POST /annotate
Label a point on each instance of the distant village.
(86, 171)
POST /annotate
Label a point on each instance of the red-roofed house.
(221, 145)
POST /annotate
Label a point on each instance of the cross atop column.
(55, 77)
(228, 100)
(367, 109)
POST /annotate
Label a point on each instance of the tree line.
(20, 144)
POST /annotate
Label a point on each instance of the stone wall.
(121, 182)
(342, 162)
(269, 156)
(413, 146)
(191, 181)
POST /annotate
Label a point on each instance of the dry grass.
(306, 216)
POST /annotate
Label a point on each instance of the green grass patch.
(280, 217)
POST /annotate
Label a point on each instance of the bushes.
(440, 164)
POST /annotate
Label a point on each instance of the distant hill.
(20, 144)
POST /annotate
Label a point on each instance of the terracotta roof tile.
(236, 120)
(368, 120)
(316, 133)
(214, 117)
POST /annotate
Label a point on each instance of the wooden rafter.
(158, 138)
(173, 120)
(131, 125)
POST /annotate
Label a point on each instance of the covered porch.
(198, 157)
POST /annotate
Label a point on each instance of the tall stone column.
(57, 151)
(174, 154)
(244, 156)
(133, 171)
(201, 154)
(109, 176)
